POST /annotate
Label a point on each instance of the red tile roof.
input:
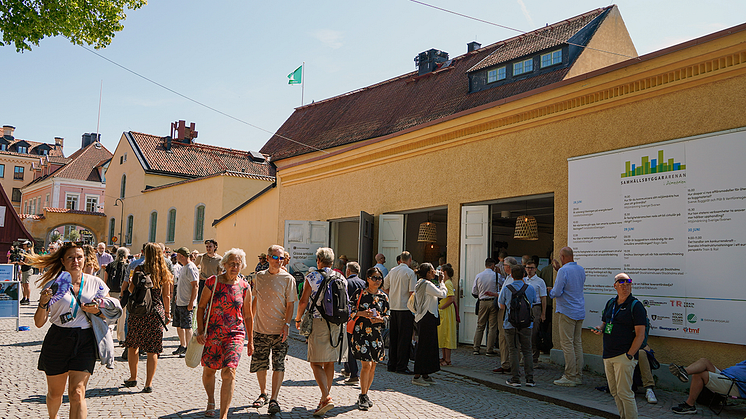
(32, 145)
(223, 173)
(84, 163)
(193, 160)
(411, 100)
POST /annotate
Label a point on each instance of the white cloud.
(330, 38)
(524, 9)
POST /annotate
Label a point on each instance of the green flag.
(296, 76)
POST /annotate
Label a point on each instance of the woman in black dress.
(370, 310)
(426, 294)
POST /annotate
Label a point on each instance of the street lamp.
(121, 219)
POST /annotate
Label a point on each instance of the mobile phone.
(91, 304)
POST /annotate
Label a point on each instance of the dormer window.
(3, 147)
(44, 152)
(523, 67)
(496, 75)
(551, 58)
(23, 150)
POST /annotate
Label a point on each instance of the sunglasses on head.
(275, 257)
(624, 281)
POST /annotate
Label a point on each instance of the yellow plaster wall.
(253, 228)
(41, 228)
(481, 156)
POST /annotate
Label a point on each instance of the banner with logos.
(673, 216)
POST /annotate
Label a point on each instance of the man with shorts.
(274, 300)
(26, 272)
(704, 374)
(187, 285)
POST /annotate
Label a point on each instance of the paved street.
(179, 393)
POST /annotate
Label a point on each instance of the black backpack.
(335, 303)
(141, 300)
(115, 270)
(520, 315)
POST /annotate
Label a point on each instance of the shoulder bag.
(194, 348)
(351, 322)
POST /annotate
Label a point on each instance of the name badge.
(608, 327)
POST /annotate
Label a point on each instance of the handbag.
(306, 322)
(193, 355)
(351, 323)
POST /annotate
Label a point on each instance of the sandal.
(324, 407)
(210, 413)
(260, 401)
(274, 407)
(443, 362)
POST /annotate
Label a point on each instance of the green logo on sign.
(692, 318)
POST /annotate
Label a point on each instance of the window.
(551, 58)
(2, 170)
(523, 67)
(3, 147)
(123, 186)
(91, 203)
(44, 152)
(153, 225)
(31, 209)
(199, 223)
(496, 75)
(130, 223)
(25, 207)
(71, 201)
(23, 150)
(112, 224)
(171, 231)
(38, 205)
(16, 195)
(46, 201)
(18, 173)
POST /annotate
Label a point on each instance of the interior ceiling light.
(526, 228)
(428, 232)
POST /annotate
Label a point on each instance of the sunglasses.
(624, 281)
(275, 257)
(376, 278)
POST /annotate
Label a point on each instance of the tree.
(73, 236)
(93, 22)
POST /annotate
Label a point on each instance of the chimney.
(89, 139)
(183, 134)
(473, 46)
(428, 61)
(8, 130)
(58, 142)
(168, 144)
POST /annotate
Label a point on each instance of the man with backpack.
(623, 327)
(517, 300)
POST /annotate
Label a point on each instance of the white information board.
(672, 216)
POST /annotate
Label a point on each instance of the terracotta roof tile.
(32, 145)
(84, 162)
(223, 173)
(411, 100)
(195, 160)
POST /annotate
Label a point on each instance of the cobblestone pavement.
(467, 390)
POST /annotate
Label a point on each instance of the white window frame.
(497, 74)
(95, 205)
(520, 67)
(551, 58)
(22, 149)
(72, 195)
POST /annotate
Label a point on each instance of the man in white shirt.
(539, 307)
(187, 285)
(485, 288)
(399, 285)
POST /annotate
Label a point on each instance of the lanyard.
(80, 291)
(614, 313)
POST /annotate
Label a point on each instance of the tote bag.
(194, 348)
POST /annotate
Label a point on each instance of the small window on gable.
(551, 58)
(522, 67)
(496, 75)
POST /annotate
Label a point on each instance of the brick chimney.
(58, 142)
(183, 134)
(8, 130)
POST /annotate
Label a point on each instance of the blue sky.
(235, 55)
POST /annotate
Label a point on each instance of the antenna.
(98, 120)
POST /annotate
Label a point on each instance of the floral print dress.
(367, 339)
(225, 327)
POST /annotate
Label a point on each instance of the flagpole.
(302, 81)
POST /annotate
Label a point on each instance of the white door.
(475, 241)
(390, 237)
(306, 232)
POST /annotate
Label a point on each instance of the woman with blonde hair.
(68, 354)
(146, 331)
(447, 313)
(91, 262)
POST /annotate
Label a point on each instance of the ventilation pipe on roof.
(473, 46)
(428, 61)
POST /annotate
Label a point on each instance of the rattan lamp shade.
(427, 233)
(526, 228)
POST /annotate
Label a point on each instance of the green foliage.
(55, 236)
(73, 236)
(94, 22)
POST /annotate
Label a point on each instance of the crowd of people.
(86, 290)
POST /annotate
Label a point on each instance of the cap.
(262, 255)
(183, 251)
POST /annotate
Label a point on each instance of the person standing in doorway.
(380, 261)
(485, 287)
(568, 294)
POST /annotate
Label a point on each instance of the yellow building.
(170, 189)
(474, 143)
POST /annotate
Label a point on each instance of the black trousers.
(400, 339)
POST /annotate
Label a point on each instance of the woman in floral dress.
(231, 320)
(370, 310)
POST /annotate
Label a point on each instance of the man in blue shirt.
(518, 339)
(704, 374)
(380, 260)
(570, 308)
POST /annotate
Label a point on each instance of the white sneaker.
(565, 382)
(650, 396)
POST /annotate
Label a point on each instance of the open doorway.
(422, 232)
(504, 219)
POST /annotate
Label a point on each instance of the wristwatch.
(287, 324)
(629, 356)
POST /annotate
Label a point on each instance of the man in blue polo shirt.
(570, 308)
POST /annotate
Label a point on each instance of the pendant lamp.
(427, 233)
(526, 228)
